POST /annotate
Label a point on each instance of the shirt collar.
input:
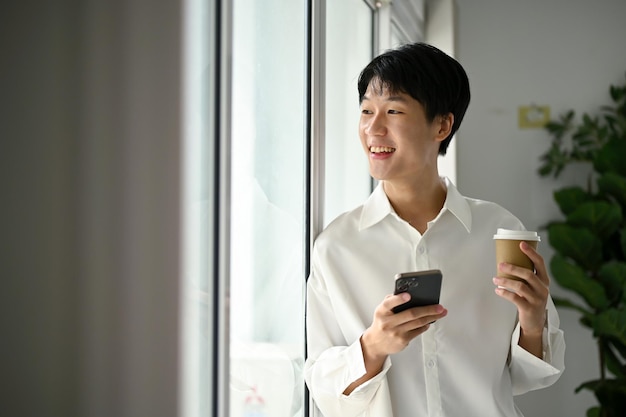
(458, 205)
(377, 207)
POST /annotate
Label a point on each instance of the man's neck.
(417, 202)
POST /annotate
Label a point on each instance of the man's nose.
(376, 126)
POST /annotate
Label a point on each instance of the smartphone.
(424, 287)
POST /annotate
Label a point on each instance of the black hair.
(428, 75)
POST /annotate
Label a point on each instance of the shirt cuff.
(532, 367)
(356, 364)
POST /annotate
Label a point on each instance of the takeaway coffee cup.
(507, 249)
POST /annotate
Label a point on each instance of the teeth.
(381, 149)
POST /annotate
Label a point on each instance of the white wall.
(560, 53)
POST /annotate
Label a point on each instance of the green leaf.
(554, 159)
(593, 412)
(621, 349)
(610, 393)
(569, 198)
(556, 129)
(600, 217)
(610, 119)
(614, 185)
(562, 126)
(564, 302)
(610, 324)
(616, 93)
(610, 158)
(612, 275)
(573, 278)
(590, 385)
(544, 170)
(612, 361)
(578, 244)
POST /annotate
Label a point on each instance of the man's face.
(400, 142)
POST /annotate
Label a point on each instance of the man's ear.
(444, 126)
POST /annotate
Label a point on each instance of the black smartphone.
(424, 287)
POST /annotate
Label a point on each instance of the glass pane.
(346, 171)
(267, 215)
(199, 166)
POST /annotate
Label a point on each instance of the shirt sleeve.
(528, 372)
(333, 363)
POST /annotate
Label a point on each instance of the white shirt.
(466, 364)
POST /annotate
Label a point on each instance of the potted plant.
(590, 240)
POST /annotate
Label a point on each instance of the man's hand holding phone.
(400, 318)
(391, 332)
(405, 315)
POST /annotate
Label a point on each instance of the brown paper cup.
(507, 249)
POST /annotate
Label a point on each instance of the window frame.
(220, 119)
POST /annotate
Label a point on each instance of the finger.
(424, 311)
(529, 277)
(519, 288)
(537, 260)
(507, 293)
(392, 301)
(412, 334)
(416, 317)
(512, 296)
(520, 293)
(521, 273)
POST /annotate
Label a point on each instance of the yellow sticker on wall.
(533, 117)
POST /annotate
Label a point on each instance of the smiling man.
(467, 356)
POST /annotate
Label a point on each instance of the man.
(490, 338)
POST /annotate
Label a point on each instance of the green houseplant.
(590, 241)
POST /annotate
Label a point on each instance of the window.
(200, 193)
(349, 46)
(248, 187)
(268, 193)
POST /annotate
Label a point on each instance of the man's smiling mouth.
(382, 149)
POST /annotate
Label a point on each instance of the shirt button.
(431, 363)
(421, 250)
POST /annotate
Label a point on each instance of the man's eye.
(394, 111)
(365, 111)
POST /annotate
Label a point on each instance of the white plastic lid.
(516, 235)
